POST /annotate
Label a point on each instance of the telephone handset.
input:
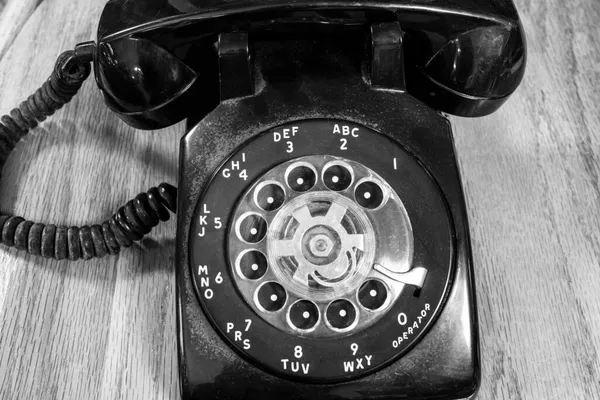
(463, 57)
(322, 239)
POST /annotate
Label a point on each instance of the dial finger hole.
(269, 196)
(251, 228)
(341, 315)
(369, 195)
(252, 265)
(301, 177)
(372, 295)
(270, 297)
(303, 315)
(337, 177)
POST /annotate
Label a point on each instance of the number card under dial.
(321, 250)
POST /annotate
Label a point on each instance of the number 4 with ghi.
(235, 166)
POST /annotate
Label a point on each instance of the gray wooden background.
(106, 329)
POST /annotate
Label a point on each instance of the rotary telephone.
(322, 239)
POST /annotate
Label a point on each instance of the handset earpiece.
(464, 58)
(148, 86)
(463, 64)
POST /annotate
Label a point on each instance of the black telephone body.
(322, 242)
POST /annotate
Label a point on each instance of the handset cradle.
(463, 57)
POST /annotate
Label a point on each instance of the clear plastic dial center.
(312, 241)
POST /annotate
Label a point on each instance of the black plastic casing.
(444, 364)
(156, 58)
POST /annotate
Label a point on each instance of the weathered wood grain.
(102, 329)
(531, 178)
(106, 329)
(13, 15)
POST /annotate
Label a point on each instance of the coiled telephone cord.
(130, 223)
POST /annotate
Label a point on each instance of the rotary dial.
(319, 247)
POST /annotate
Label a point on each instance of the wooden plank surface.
(106, 329)
(13, 15)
